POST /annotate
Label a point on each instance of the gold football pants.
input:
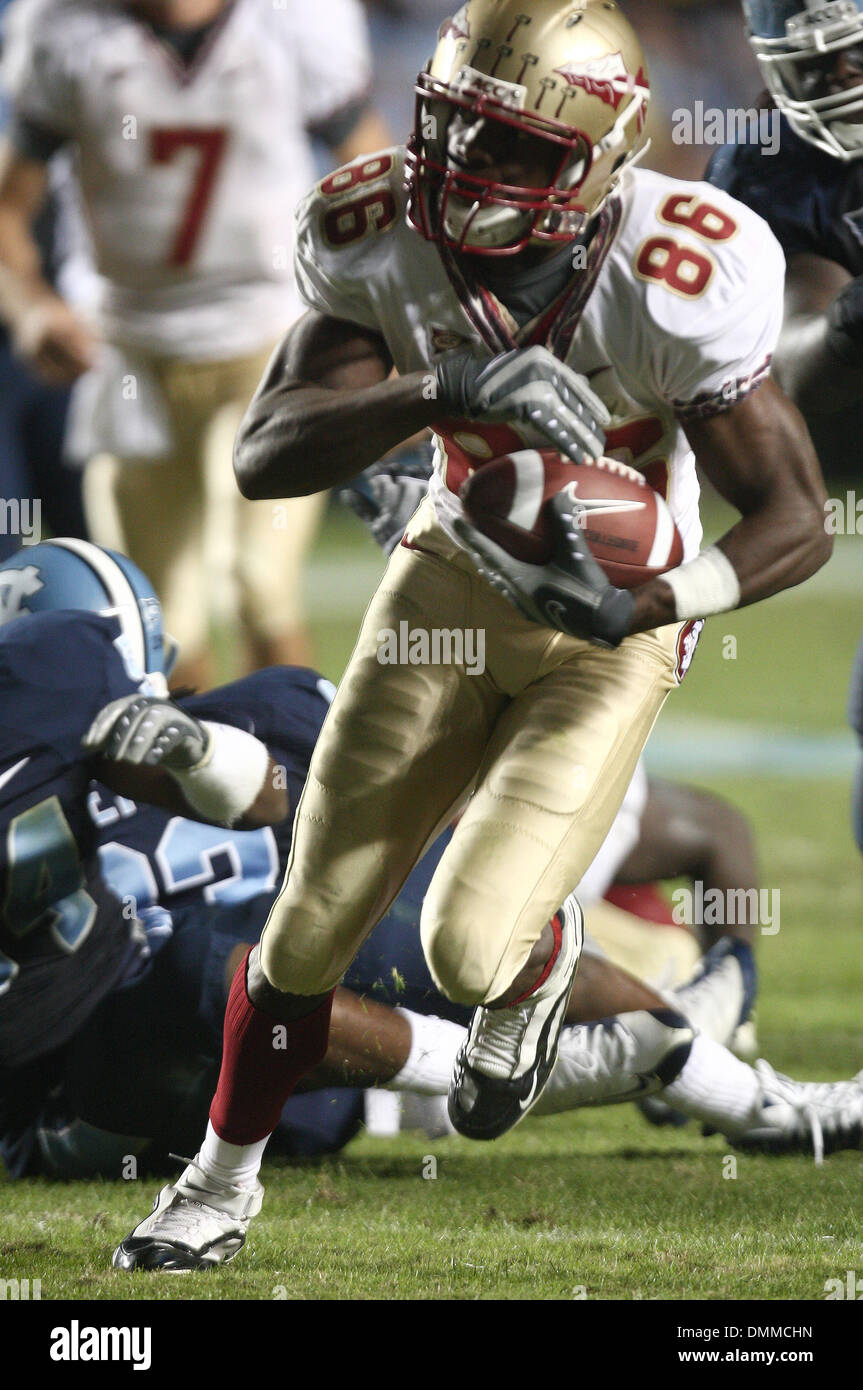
(182, 519)
(546, 739)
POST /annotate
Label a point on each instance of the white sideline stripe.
(728, 747)
(529, 487)
(662, 540)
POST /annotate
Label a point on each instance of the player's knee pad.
(469, 948)
(459, 966)
(308, 941)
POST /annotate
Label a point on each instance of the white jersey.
(190, 175)
(676, 316)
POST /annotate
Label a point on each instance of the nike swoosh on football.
(12, 771)
(598, 505)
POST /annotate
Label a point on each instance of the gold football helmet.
(560, 87)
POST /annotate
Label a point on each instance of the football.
(627, 525)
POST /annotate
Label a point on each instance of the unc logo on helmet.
(16, 586)
(554, 94)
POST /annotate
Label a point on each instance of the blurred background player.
(37, 490)
(811, 195)
(191, 124)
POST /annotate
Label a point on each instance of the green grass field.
(595, 1204)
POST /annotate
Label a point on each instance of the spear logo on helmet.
(605, 77)
(458, 27)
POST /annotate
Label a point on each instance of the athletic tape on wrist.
(704, 586)
(227, 783)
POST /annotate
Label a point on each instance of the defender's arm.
(817, 363)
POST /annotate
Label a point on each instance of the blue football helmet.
(795, 42)
(65, 573)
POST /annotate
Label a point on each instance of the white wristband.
(704, 586)
(227, 784)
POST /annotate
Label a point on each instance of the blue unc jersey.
(812, 202)
(64, 940)
(154, 861)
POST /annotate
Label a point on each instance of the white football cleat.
(719, 997)
(621, 1059)
(195, 1224)
(508, 1056)
(816, 1117)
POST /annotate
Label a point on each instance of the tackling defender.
(531, 288)
(810, 194)
(65, 940)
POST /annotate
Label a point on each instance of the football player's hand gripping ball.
(146, 731)
(570, 592)
(530, 387)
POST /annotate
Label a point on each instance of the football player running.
(531, 288)
(811, 194)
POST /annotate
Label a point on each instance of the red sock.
(262, 1061)
(557, 929)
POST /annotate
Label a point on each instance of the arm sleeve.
(34, 141)
(268, 703)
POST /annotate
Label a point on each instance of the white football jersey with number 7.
(675, 316)
(189, 175)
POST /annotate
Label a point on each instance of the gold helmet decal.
(567, 81)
